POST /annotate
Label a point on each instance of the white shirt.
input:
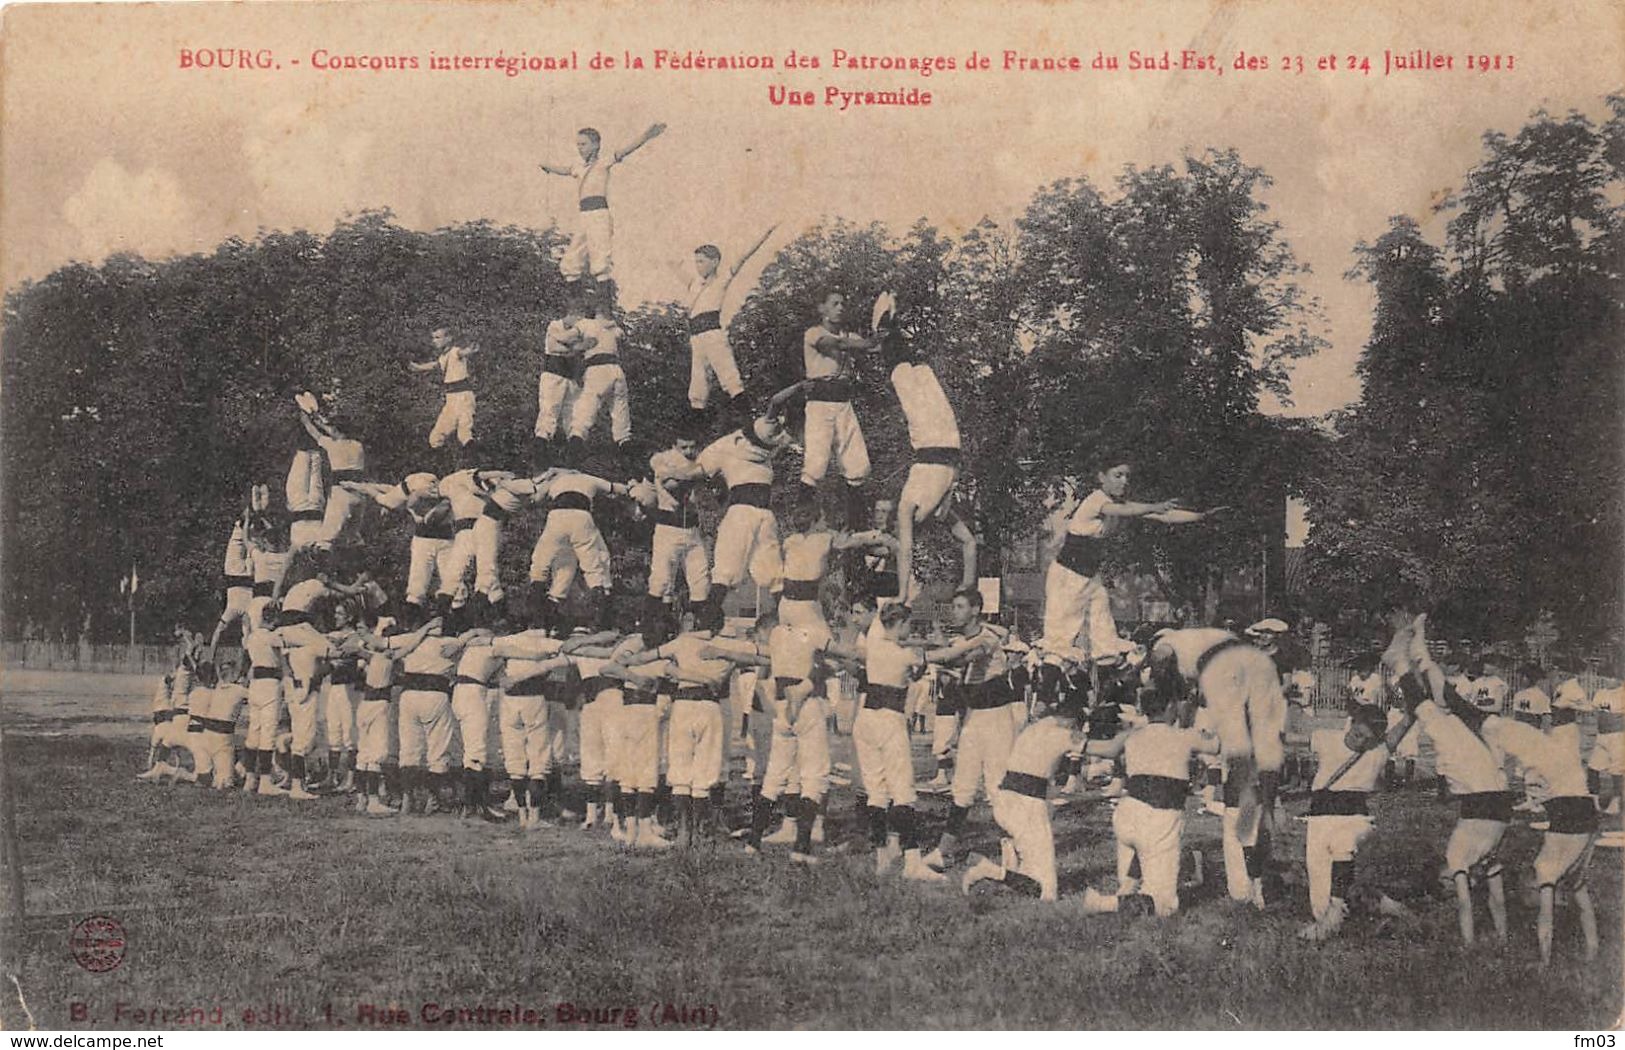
(478, 661)
(574, 481)
(1087, 519)
(886, 662)
(1160, 750)
(526, 652)
(819, 364)
(684, 651)
(433, 656)
(739, 460)
(1039, 749)
(793, 651)
(705, 296)
(452, 364)
(671, 465)
(1465, 761)
(302, 595)
(608, 334)
(592, 180)
(462, 490)
(806, 554)
(1551, 764)
(1531, 701)
(931, 421)
(1332, 752)
(343, 453)
(559, 338)
(1570, 694)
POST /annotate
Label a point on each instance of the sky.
(109, 144)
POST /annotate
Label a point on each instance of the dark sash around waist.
(676, 519)
(377, 692)
(1610, 722)
(348, 474)
(1024, 784)
(468, 679)
(591, 687)
(1563, 716)
(800, 590)
(1158, 792)
(887, 698)
(559, 365)
(425, 683)
(1081, 554)
(264, 588)
(1325, 803)
(163, 715)
(238, 580)
(494, 511)
(535, 685)
(695, 692)
(464, 524)
(633, 696)
(260, 673)
(344, 673)
(982, 696)
(457, 386)
(947, 457)
(572, 501)
(750, 494)
(834, 389)
(1572, 815)
(434, 530)
(1486, 805)
(211, 725)
(305, 515)
(709, 321)
(601, 359)
(1528, 718)
(595, 204)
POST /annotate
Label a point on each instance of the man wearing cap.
(1608, 753)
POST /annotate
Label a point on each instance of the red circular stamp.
(98, 943)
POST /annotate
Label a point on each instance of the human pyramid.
(418, 695)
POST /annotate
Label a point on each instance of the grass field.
(305, 916)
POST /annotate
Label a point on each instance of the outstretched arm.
(845, 541)
(1180, 516)
(422, 366)
(777, 401)
(847, 341)
(652, 132)
(733, 271)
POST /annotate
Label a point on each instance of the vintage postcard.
(581, 516)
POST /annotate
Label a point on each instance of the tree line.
(1151, 316)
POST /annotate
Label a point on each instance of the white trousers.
(456, 417)
(832, 432)
(601, 383)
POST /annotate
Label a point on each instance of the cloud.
(308, 164)
(115, 209)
